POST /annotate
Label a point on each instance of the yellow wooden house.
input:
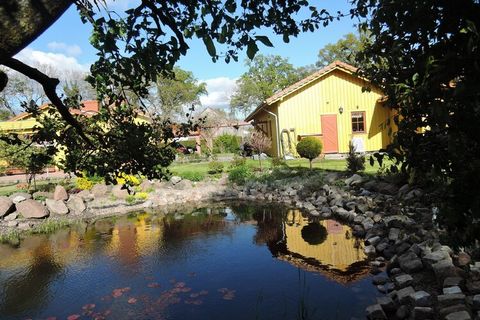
(329, 105)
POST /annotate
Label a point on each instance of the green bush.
(238, 161)
(192, 175)
(215, 167)
(130, 199)
(189, 144)
(278, 162)
(309, 148)
(355, 161)
(240, 174)
(226, 143)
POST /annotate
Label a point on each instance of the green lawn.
(325, 164)
(42, 185)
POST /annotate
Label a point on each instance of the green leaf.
(252, 50)
(210, 46)
(264, 40)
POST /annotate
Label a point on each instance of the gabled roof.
(336, 65)
(89, 107)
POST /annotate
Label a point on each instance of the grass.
(42, 185)
(12, 237)
(50, 226)
(323, 164)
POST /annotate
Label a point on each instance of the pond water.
(235, 262)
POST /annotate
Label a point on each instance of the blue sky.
(66, 44)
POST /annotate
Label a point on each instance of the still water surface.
(236, 262)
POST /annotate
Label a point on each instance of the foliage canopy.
(426, 57)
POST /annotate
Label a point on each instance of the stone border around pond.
(424, 279)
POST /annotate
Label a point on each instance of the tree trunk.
(260, 161)
(24, 20)
(310, 164)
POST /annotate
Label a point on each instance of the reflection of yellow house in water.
(340, 256)
(129, 241)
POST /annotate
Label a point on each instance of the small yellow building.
(330, 105)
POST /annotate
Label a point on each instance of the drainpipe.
(277, 129)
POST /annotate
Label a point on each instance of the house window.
(358, 122)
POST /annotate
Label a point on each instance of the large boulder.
(76, 204)
(32, 209)
(85, 195)
(57, 207)
(354, 180)
(60, 193)
(183, 185)
(119, 193)
(18, 197)
(175, 179)
(146, 185)
(6, 206)
(386, 188)
(99, 190)
(375, 312)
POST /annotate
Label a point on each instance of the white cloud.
(219, 92)
(56, 64)
(121, 4)
(71, 50)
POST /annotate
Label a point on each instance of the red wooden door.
(330, 134)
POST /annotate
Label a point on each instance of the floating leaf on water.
(223, 290)
(89, 306)
(153, 285)
(51, 318)
(73, 317)
(185, 289)
(117, 293)
(229, 296)
(203, 293)
(132, 300)
(98, 316)
(180, 284)
(194, 295)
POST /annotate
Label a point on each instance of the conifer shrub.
(355, 161)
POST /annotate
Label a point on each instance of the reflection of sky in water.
(214, 264)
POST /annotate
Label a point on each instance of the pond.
(235, 262)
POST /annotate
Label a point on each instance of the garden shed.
(330, 104)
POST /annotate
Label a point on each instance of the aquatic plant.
(50, 226)
(12, 237)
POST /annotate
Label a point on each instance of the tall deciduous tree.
(344, 49)
(171, 95)
(426, 57)
(265, 76)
